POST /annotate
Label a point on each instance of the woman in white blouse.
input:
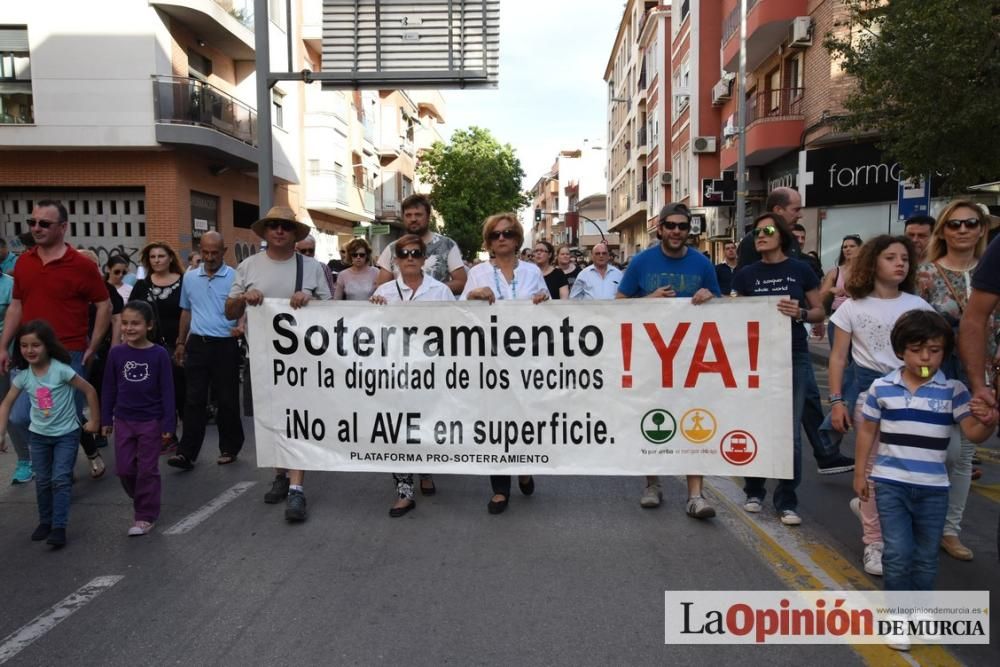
(411, 285)
(505, 277)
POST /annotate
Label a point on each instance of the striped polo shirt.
(914, 428)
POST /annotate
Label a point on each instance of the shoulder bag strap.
(951, 288)
(298, 272)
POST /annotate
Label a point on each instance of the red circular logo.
(738, 447)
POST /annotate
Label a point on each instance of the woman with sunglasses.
(356, 282)
(555, 279)
(881, 290)
(411, 285)
(505, 277)
(161, 289)
(958, 240)
(795, 281)
(114, 273)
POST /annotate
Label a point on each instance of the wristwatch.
(803, 315)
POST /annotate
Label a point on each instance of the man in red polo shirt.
(55, 283)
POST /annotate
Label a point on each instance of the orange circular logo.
(698, 425)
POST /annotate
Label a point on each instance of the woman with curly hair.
(881, 288)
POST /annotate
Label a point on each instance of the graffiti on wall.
(104, 253)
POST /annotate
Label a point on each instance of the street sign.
(914, 197)
(379, 230)
(359, 231)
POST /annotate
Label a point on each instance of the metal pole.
(265, 152)
(741, 119)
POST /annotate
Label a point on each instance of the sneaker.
(41, 532)
(140, 528)
(836, 465)
(279, 490)
(57, 537)
(790, 517)
(855, 506)
(873, 559)
(752, 505)
(22, 473)
(651, 496)
(96, 466)
(295, 510)
(698, 508)
(899, 642)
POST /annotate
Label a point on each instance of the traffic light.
(538, 215)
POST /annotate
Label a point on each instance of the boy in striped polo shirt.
(912, 411)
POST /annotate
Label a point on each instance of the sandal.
(96, 465)
(180, 461)
(427, 487)
(226, 459)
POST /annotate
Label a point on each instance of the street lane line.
(989, 491)
(208, 509)
(21, 638)
(805, 564)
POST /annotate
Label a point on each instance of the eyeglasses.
(415, 253)
(503, 233)
(971, 223)
(670, 226)
(359, 254)
(311, 252)
(768, 230)
(542, 250)
(44, 224)
(284, 225)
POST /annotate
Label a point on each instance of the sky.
(552, 93)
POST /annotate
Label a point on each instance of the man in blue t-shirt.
(672, 269)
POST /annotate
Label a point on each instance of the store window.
(16, 103)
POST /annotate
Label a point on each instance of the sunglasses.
(44, 224)
(768, 230)
(118, 272)
(415, 253)
(284, 225)
(971, 223)
(359, 254)
(503, 233)
(670, 226)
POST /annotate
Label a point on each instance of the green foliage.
(471, 178)
(928, 75)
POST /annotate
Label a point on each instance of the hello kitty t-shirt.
(138, 387)
(53, 409)
(870, 322)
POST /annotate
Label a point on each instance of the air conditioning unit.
(703, 145)
(720, 92)
(666, 178)
(800, 34)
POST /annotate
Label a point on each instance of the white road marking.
(21, 638)
(207, 510)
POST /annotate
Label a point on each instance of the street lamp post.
(600, 231)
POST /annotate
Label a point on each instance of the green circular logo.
(658, 426)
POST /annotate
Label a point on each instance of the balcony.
(767, 28)
(330, 191)
(640, 192)
(215, 23)
(189, 111)
(640, 141)
(774, 127)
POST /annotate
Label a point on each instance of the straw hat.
(280, 213)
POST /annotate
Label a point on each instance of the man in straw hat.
(279, 272)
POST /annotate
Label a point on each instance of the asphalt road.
(574, 575)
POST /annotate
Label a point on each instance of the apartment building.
(576, 174)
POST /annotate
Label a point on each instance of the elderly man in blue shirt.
(599, 280)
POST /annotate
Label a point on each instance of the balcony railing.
(731, 24)
(187, 101)
(242, 14)
(776, 103)
(640, 138)
(328, 185)
(640, 192)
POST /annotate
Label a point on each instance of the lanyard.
(513, 283)
(412, 294)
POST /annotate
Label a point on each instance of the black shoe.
(57, 537)
(278, 492)
(836, 465)
(427, 487)
(527, 488)
(396, 512)
(41, 532)
(497, 506)
(180, 461)
(295, 510)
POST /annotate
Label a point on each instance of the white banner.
(623, 387)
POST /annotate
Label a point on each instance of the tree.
(928, 81)
(471, 178)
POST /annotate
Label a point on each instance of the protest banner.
(624, 387)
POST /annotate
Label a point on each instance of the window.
(277, 109)
(793, 75)
(774, 88)
(682, 83)
(16, 103)
(314, 169)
